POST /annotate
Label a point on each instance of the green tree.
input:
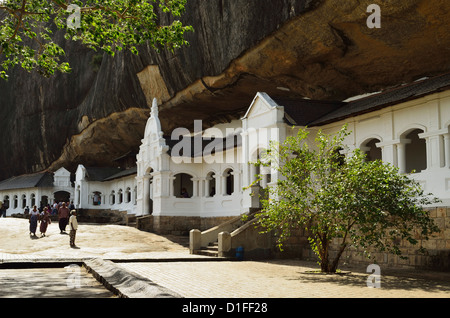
(366, 204)
(27, 29)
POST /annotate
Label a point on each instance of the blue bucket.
(240, 253)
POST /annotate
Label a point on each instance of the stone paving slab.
(285, 279)
(124, 283)
(139, 264)
(50, 283)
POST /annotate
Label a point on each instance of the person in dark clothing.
(63, 215)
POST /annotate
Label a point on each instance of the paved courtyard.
(165, 262)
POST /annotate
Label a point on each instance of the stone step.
(132, 220)
(211, 250)
(206, 252)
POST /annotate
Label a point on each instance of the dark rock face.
(318, 48)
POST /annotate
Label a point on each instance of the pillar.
(146, 195)
(195, 240)
(401, 154)
(195, 187)
(224, 243)
(236, 180)
(447, 150)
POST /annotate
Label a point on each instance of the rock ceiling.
(319, 49)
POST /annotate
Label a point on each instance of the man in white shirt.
(73, 225)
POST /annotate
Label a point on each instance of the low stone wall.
(102, 216)
(436, 257)
(92, 216)
(255, 245)
(177, 225)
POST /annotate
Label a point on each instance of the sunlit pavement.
(118, 261)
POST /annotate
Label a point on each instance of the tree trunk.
(323, 254)
(334, 265)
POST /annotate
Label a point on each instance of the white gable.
(260, 104)
(62, 178)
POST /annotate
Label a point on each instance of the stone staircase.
(211, 250)
(131, 220)
(207, 242)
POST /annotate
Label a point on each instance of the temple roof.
(36, 180)
(389, 97)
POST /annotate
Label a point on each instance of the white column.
(223, 182)
(401, 154)
(435, 141)
(218, 184)
(236, 180)
(171, 188)
(401, 157)
(201, 187)
(195, 187)
(447, 150)
(146, 195)
(245, 159)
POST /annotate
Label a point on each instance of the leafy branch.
(344, 199)
(27, 29)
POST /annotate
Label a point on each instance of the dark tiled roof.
(121, 174)
(36, 180)
(100, 173)
(387, 98)
(301, 112)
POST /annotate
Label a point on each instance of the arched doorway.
(62, 196)
(415, 152)
(183, 186)
(44, 200)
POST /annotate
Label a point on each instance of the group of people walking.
(66, 217)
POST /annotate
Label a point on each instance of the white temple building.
(202, 174)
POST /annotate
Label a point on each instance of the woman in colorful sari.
(45, 221)
(34, 216)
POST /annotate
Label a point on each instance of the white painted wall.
(153, 189)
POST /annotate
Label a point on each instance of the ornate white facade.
(407, 127)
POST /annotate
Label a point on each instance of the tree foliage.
(366, 204)
(27, 29)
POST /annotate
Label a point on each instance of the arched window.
(415, 152)
(6, 201)
(112, 197)
(33, 200)
(97, 198)
(128, 195)
(183, 186)
(229, 182)
(44, 200)
(24, 201)
(210, 184)
(15, 202)
(120, 196)
(371, 150)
